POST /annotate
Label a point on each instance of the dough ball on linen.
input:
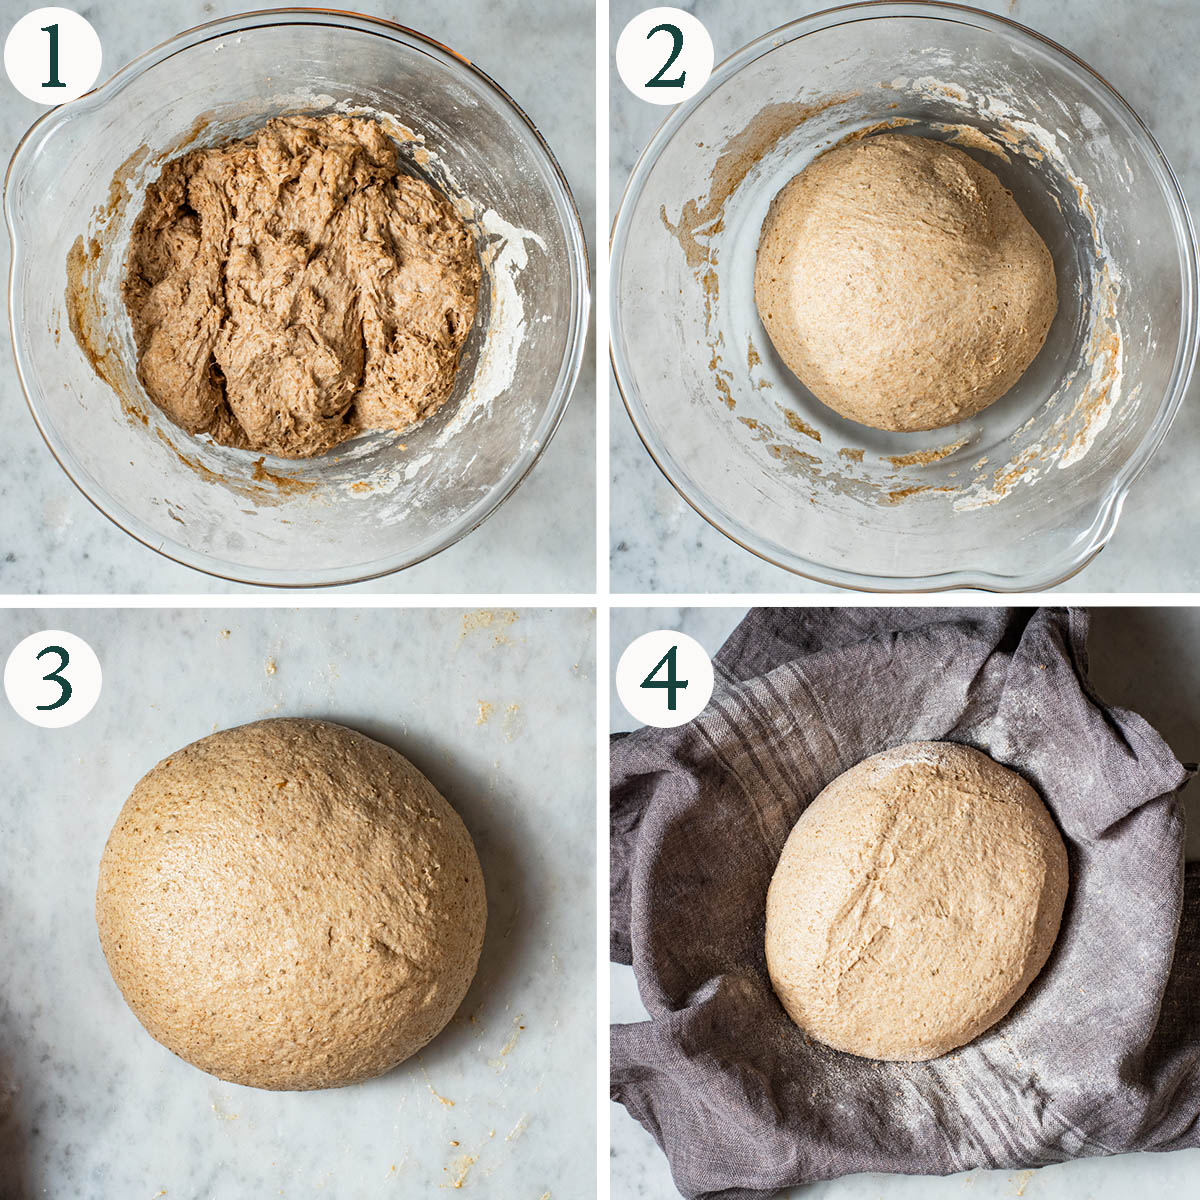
(916, 899)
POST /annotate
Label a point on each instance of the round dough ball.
(916, 899)
(898, 279)
(290, 905)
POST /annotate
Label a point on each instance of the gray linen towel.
(1101, 1056)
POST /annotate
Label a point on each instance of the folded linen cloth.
(1101, 1055)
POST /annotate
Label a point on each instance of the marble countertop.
(1143, 48)
(1147, 660)
(498, 709)
(56, 542)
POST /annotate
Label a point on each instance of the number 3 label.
(664, 55)
(664, 678)
(52, 679)
(52, 55)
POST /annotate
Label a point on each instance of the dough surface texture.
(290, 905)
(916, 899)
(902, 284)
(292, 289)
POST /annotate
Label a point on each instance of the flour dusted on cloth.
(293, 288)
(1100, 1056)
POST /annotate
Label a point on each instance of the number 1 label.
(54, 80)
(52, 55)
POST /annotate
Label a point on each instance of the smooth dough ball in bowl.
(900, 281)
(290, 905)
(916, 899)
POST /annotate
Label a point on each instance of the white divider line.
(604, 663)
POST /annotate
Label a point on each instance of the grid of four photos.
(599, 601)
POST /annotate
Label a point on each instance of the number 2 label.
(659, 80)
(664, 55)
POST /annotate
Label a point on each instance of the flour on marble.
(374, 463)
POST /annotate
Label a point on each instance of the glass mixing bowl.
(381, 501)
(1018, 498)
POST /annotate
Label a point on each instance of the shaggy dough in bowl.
(290, 905)
(293, 288)
(916, 899)
(899, 280)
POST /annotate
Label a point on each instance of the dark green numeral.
(658, 80)
(54, 80)
(54, 677)
(671, 684)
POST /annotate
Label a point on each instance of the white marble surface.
(1144, 659)
(92, 1108)
(54, 541)
(1144, 48)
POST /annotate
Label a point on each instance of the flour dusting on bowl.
(384, 500)
(1019, 496)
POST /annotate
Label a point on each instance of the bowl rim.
(1092, 539)
(570, 366)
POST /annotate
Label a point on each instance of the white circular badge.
(664, 678)
(52, 679)
(664, 55)
(52, 55)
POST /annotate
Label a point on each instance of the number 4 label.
(664, 55)
(671, 682)
(52, 55)
(664, 678)
(52, 679)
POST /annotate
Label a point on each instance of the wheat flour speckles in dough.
(293, 288)
(726, 198)
(915, 900)
(312, 878)
(900, 281)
